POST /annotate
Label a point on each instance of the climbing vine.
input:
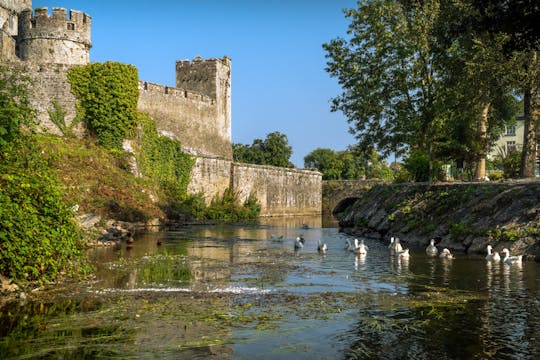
(107, 95)
(162, 159)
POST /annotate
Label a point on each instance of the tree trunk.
(530, 95)
(482, 137)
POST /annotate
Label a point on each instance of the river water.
(242, 292)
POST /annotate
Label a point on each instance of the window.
(510, 146)
(511, 130)
(70, 26)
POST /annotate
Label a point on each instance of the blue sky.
(278, 77)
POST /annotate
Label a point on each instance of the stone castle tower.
(43, 39)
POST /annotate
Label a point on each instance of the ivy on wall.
(162, 159)
(107, 95)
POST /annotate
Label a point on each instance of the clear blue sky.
(278, 77)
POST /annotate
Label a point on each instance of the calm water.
(238, 292)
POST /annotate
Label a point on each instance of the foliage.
(163, 161)
(107, 95)
(274, 150)
(38, 239)
(227, 207)
(348, 164)
(509, 163)
(417, 165)
(58, 118)
(15, 111)
(386, 70)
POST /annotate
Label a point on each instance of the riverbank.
(464, 217)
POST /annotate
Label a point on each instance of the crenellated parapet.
(56, 38)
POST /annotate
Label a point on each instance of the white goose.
(492, 256)
(321, 247)
(298, 243)
(446, 254)
(348, 245)
(395, 247)
(360, 248)
(511, 260)
(432, 250)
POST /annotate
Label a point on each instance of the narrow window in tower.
(70, 26)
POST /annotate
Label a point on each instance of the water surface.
(243, 292)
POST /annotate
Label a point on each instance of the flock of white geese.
(396, 249)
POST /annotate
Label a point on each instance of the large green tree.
(386, 70)
(274, 150)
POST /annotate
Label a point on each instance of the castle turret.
(210, 77)
(57, 39)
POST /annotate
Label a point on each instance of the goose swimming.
(511, 260)
(492, 256)
(395, 246)
(321, 247)
(360, 248)
(432, 250)
(446, 254)
(298, 243)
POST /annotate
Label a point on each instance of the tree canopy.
(274, 150)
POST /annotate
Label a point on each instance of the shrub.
(38, 239)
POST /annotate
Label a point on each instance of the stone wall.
(190, 117)
(280, 191)
(210, 176)
(51, 86)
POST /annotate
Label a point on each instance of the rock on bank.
(464, 217)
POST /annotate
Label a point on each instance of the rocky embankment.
(464, 217)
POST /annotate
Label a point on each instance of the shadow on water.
(243, 292)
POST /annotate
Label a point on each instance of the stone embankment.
(464, 217)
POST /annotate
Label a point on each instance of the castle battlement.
(75, 27)
(173, 92)
(56, 38)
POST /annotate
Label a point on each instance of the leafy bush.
(227, 207)
(417, 165)
(107, 97)
(496, 175)
(38, 239)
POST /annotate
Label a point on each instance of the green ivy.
(162, 159)
(107, 95)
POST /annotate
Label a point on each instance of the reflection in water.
(360, 260)
(238, 292)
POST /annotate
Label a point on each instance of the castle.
(197, 112)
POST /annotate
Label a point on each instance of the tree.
(274, 150)
(327, 161)
(386, 70)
